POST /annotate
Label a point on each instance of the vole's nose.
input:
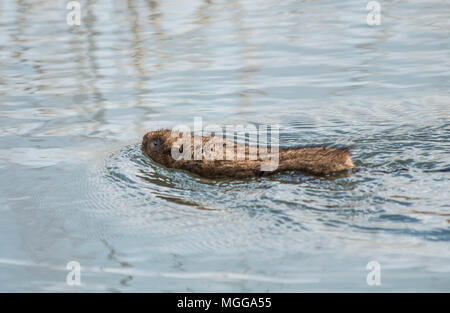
(145, 141)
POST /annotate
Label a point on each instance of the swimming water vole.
(160, 147)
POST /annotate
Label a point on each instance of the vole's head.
(157, 145)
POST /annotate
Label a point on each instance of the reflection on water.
(75, 102)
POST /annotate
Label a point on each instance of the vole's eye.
(156, 143)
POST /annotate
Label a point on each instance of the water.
(76, 101)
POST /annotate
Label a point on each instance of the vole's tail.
(317, 160)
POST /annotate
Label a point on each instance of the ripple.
(275, 212)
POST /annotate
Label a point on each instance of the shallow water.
(75, 102)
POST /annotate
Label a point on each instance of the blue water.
(75, 102)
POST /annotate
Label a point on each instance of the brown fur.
(309, 160)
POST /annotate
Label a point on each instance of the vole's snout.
(145, 140)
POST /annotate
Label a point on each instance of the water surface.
(75, 102)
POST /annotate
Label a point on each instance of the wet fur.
(308, 160)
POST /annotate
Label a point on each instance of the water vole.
(161, 146)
